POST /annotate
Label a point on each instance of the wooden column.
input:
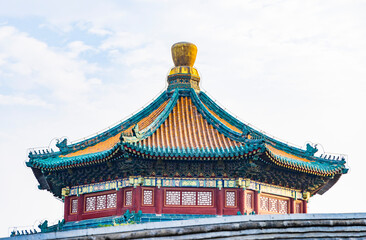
(137, 198)
(220, 202)
(80, 207)
(256, 202)
(292, 205)
(120, 201)
(305, 206)
(159, 200)
(66, 208)
(241, 199)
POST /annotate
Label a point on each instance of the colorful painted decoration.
(183, 154)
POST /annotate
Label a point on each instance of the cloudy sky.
(294, 69)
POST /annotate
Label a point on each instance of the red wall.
(164, 200)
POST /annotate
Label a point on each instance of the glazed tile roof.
(302, 164)
(185, 125)
(282, 154)
(112, 141)
(149, 119)
(186, 128)
(232, 127)
(99, 147)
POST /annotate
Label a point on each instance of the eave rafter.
(303, 166)
(230, 141)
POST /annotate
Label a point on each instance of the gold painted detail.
(65, 192)
(186, 182)
(184, 70)
(306, 195)
(189, 183)
(183, 83)
(184, 75)
(184, 54)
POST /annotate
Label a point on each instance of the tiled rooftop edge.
(193, 222)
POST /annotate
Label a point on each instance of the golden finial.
(184, 75)
(184, 54)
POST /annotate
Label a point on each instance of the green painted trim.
(185, 182)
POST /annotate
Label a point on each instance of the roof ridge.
(65, 148)
(220, 111)
(239, 124)
(152, 135)
(222, 128)
(149, 130)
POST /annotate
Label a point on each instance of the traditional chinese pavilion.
(183, 154)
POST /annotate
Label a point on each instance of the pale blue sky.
(295, 69)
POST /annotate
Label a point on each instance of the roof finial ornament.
(184, 75)
(184, 54)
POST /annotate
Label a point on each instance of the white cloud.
(78, 47)
(31, 65)
(99, 31)
(123, 40)
(95, 81)
(21, 100)
(293, 68)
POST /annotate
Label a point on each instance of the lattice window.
(148, 197)
(263, 203)
(273, 205)
(90, 203)
(172, 198)
(249, 200)
(112, 200)
(204, 198)
(189, 198)
(283, 206)
(128, 198)
(230, 199)
(74, 206)
(101, 202)
(298, 208)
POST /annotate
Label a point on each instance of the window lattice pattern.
(128, 200)
(101, 201)
(74, 206)
(90, 203)
(264, 203)
(249, 199)
(298, 207)
(204, 198)
(148, 197)
(112, 200)
(283, 206)
(172, 198)
(273, 205)
(188, 198)
(230, 199)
